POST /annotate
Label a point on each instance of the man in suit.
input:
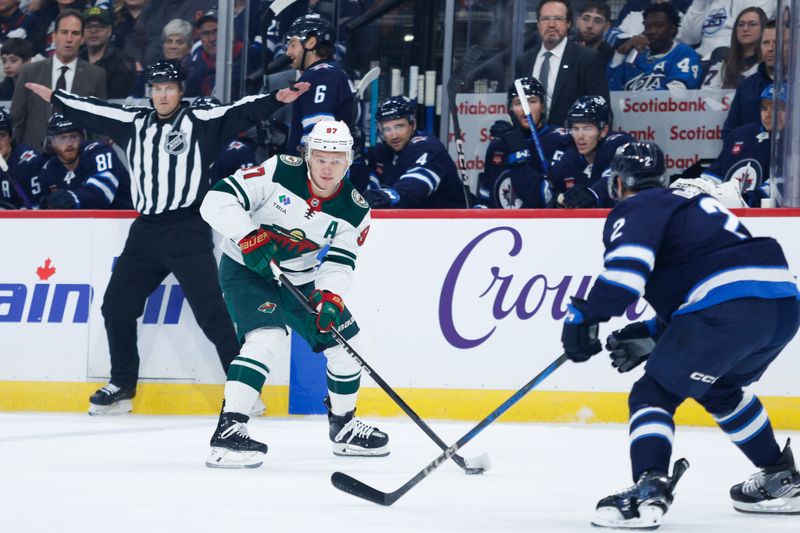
(62, 71)
(566, 69)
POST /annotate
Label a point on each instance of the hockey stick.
(477, 465)
(366, 80)
(275, 8)
(355, 487)
(526, 108)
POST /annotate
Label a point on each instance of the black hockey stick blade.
(360, 489)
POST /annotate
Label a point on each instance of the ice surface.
(69, 472)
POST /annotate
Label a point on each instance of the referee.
(168, 147)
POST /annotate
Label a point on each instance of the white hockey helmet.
(330, 136)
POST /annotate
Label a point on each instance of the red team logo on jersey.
(736, 148)
(363, 236)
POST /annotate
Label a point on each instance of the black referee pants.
(176, 242)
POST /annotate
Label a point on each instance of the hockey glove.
(329, 308)
(579, 335)
(62, 199)
(630, 346)
(580, 197)
(381, 198)
(258, 249)
(499, 128)
(516, 147)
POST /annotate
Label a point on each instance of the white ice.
(70, 472)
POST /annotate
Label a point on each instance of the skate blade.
(610, 517)
(121, 407)
(348, 450)
(777, 506)
(224, 458)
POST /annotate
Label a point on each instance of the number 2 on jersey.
(712, 206)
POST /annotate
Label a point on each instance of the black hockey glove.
(630, 346)
(580, 197)
(62, 199)
(579, 335)
(516, 147)
(499, 128)
(381, 198)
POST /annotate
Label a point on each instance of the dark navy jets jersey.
(237, 154)
(423, 174)
(745, 158)
(21, 188)
(507, 186)
(573, 169)
(100, 180)
(329, 98)
(683, 251)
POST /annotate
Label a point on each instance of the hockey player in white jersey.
(286, 210)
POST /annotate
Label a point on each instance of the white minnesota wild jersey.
(277, 197)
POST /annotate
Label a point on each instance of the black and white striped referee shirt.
(169, 159)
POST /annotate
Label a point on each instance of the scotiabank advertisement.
(458, 300)
(687, 125)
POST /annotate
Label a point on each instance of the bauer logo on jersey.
(358, 199)
(267, 307)
(175, 143)
(291, 160)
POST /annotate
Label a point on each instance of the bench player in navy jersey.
(579, 176)
(309, 43)
(745, 156)
(726, 305)
(513, 175)
(19, 187)
(82, 175)
(409, 169)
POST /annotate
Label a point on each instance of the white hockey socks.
(344, 378)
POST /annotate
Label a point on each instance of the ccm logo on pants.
(697, 376)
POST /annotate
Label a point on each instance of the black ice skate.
(643, 505)
(112, 400)
(352, 437)
(231, 445)
(774, 489)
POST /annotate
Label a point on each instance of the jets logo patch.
(291, 160)
(267, 307)
(358, 199)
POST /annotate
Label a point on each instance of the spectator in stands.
(203, 74)
(409, 170)
(660, 63)
(745, 106)
(708, 24)
(64, 70)
(125, 14)
(513, 175)
(744, 54)
(579, 178)
(566, 69)
(82, 175)
(19, 187)
(13, 22)
(594, 20)
(145, 41)
(120, 69)
(177, 39)
(746, 153)
(310, 46)
(15, 52)
(630, 21)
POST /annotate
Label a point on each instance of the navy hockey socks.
(749, 428)
(651, 430)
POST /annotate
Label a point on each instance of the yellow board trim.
(430, 404)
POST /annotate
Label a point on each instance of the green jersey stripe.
(245, 199)
(340, 260)
(342, 251)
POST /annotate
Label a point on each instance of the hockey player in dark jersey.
(82, 175)
(409, 169)
(746, 153)
(661, 63)
(239, 153)
(513, 175)
(579, 176)
(19, 187)
(309, 43)
(726, 305)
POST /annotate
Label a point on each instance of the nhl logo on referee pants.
(175, 143)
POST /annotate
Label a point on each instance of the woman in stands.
(744, 54)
